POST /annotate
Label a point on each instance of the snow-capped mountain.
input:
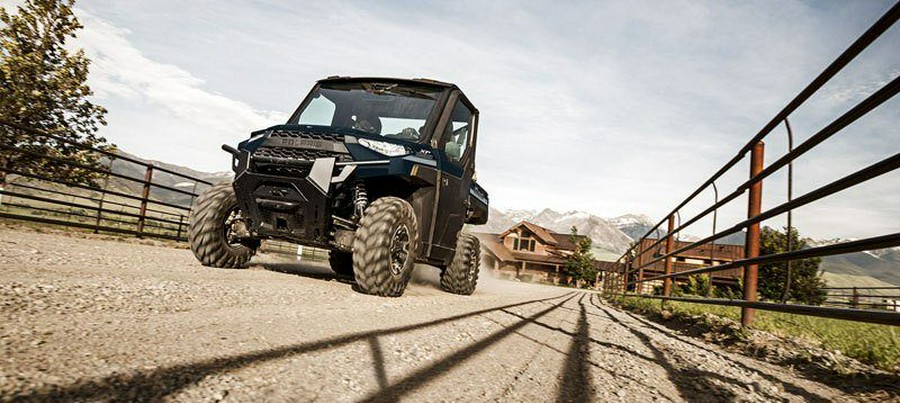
(631, 219)
(634, 225)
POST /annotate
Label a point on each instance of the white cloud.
(159, 110)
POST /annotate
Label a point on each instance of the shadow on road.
(580, 341)
(153, 385)
(306, 269)
(314, 271)
(423, 275)
(576, 377)
(875, 384)
(693, 384)
(421, 377)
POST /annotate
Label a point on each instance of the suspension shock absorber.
(360, 200)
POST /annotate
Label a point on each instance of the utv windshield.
(398, 111)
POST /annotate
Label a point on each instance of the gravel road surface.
(93, 319)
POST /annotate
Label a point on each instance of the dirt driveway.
(94, 319)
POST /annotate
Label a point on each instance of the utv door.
(456, 153)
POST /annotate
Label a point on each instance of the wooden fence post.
(145, 196)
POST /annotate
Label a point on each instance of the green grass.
(877, 345)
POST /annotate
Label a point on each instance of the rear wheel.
(341, 262)
(215, 223)
(461, 276)
(384, 248)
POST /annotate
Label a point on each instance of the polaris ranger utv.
(379, 171)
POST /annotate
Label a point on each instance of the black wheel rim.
(399, 249)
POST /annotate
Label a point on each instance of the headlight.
(381, 147)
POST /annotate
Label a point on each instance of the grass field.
(877, 345)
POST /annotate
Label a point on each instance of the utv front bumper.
(293, 207)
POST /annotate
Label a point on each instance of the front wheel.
(384, 249)
(461, 276)
(215, 221)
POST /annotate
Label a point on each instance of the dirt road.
(97, 319)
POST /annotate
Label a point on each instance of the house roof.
(565, 241)
(540, 232)
(494, 244)
(547, 236)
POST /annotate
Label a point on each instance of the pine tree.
(580, 264)
(43, 85)
(802, 283)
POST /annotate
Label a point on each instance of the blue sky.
(607, 107)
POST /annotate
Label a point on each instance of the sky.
(607, 107)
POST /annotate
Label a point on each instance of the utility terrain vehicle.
(379, 171)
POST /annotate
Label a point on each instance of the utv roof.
(426, 81)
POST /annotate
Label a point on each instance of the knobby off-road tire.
(341, 262)
(207, 232)
(461, 276)
(384, 249)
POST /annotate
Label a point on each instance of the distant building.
(697, 257)
(528, 252)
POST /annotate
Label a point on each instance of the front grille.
(283, 161)
(300, 134)
(293, 153)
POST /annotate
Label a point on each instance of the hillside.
(881, 265)
(162, 178)
(863, 264)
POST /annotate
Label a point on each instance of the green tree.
(43, 86)
(698, 284)
(802, 283)
(580, 264)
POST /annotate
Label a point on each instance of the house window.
(525, 244)
(515, 243)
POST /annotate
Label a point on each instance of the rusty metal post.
(145, 196)
(670, 261)
(751, 244)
